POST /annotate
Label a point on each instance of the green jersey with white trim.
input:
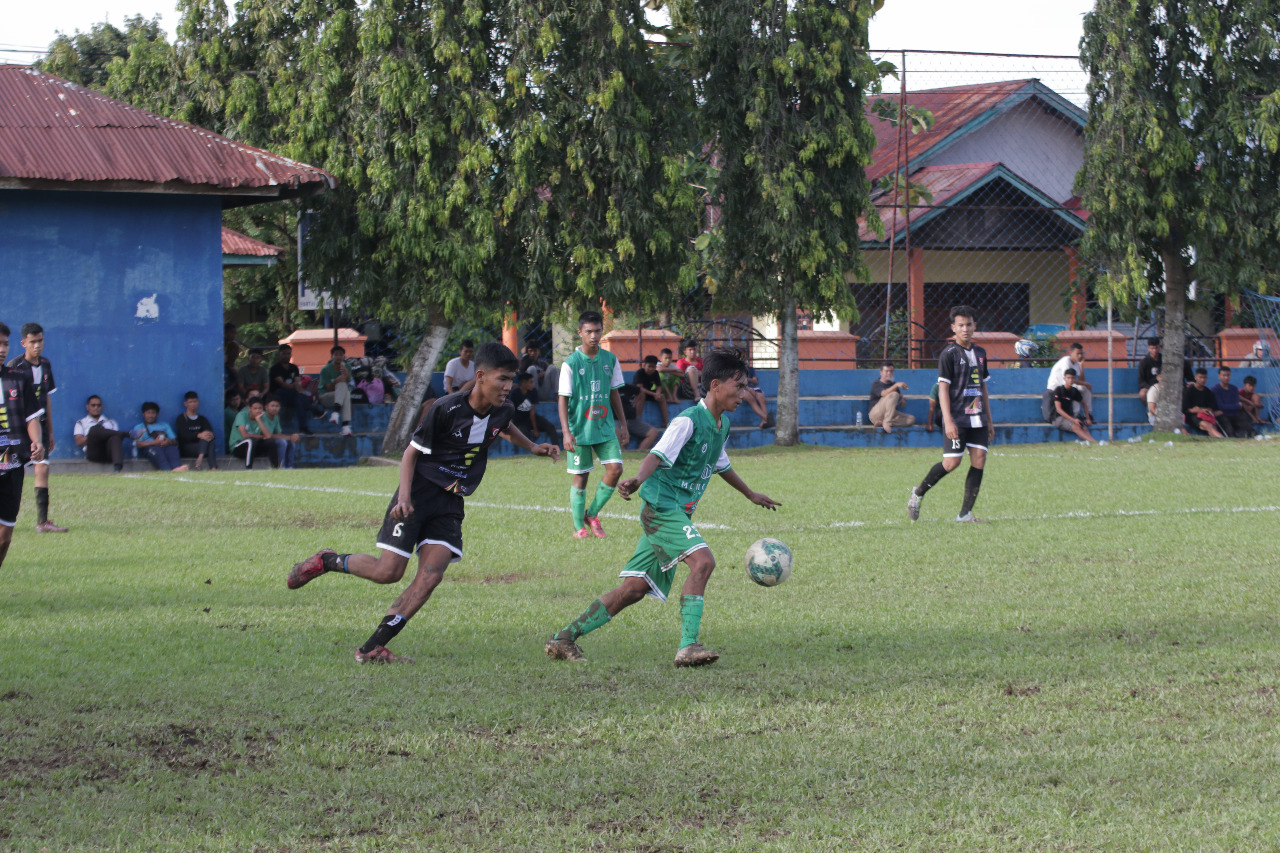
(587, 382)
(691, 450)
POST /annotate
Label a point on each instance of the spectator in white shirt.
(1074, 359)
(460, 372)
(99, 436)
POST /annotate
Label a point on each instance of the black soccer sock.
(335, 562)
(972, 483)
(42, 505)
(391, 625)
(936, 473)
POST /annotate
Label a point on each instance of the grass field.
(1095, 669)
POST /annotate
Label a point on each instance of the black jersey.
(454, 441)
(964, 371)
(18, 406)
(45, 386)
(188, 430)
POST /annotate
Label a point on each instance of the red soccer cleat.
(308, 570)
(596, 527)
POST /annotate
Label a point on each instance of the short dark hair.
(334, 349)
(1077, 345)
(1249, 380)
(151, 407)
(590, 317)
(963, 311)
(495, 356)
(284, 347)
(190, 395)
(666, 351)
(724, 364)
(1201, 371)
(253, 400)
(888, 364)
(525, 376)
(1224, 368)
(688, 342)
(467, 343)
(651, 359)
(270, 398)
(255, 351)
(32, 329)
(1070, 371)
(233, 394)
(4, 330)
(1153, 342)
(90, 398)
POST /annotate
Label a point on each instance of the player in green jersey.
(592, 422)
(671, 481)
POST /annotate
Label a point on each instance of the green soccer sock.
(592, 618)
(603, 493)
(578, 506)
(690, 619)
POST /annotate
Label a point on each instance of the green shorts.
(580, 458)
(669, 536)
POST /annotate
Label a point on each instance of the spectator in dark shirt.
(286, 388)
(886, 400)
(1231, 417)
(644, 433)
(649, 382)
(545, 380)
(1149, 375)
(254, 376)
(1199, 406)
(195, 433)
(1068, 405)
(231, 376)
(525, 398)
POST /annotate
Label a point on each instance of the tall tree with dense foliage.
(1181, 173)
(783, 97)
(86, 58)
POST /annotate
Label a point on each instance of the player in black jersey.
(20, 436)
(443, 463)
(966, 414)
(39, 373)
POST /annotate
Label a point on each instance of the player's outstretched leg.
(432, 562)
(563, 645)
(691, 653)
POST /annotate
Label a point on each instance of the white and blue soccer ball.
(1025, 348)
(768, 562)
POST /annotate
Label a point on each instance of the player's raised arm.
(513, 434)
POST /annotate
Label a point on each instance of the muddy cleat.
(380, 654)
(564, 650)
(970, 518)
(308, 570)
(913, 505)
(695, 655)
(49, 527)
(581, 533)
(596, 527)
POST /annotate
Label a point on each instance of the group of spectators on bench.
(1221, 410)
(165, 445)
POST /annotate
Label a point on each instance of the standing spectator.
(39, 373)
(546, 378)
(887, 399)
(1249, 401)
(286, 388)
(157, 439)
(644, 433)
(285, 444)
(1258, 356)
(1067, 401)
(670, 375)
(649, 384)
(20, 435)
(245, 439)
(335, 389)
(1073, 360)
(460, 372)
(525, 398)
(756, 399)
(1232, 419)
(254, 376)
(100, 437)
(1149, 377)
(195, 433)
(1199, 404)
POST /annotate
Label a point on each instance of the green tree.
(783, 89)
(1181, 173)
(86, 58)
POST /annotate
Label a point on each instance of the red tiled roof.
(55, 132)
(944, 182)
(235, 243)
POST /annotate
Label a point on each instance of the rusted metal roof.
(55, 134)
(235, 243)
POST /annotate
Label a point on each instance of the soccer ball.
(1024, 348)
(768, 562)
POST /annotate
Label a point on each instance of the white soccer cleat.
(913, 505)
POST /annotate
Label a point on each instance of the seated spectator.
(195, 433)
(886, 400)
(525, 397)
(690, 366)
(547, 379)
(1250, 402)
(1149, 376)
(286, 387)
(157, 440)
(245, 439)
(644, 434)
(460, 372)
(272, 434)
(100, 436)
(1074, 360)
(649, 382)
(755, 398)
(230, 408)
(1232, 420)
(1198, 406)
(335, 389)
(935, 412)
(1067, 406)
(670, 375)
(254, 376)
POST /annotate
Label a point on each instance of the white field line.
(835, 525)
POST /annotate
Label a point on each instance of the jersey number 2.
(690, 532)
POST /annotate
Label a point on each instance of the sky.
(998, 26)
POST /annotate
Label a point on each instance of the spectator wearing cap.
(1232, 419)
(525, 398)
(1258, 356)
(195, 433)
(1199, 406)
(1067, 403)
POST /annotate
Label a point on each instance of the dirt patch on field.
(14, 695)
(190, 750)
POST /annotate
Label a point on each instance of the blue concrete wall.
(89, 267)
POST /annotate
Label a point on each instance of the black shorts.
(968, 437)
(10, 496)
(436, 520)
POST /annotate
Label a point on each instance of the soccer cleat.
(335, 418)
(581, 533)
(380, 654)
(49, 527)
(695, 655)
(969, 517)
(596, 527)
(913, 505)
(564, 650)
(346, 430)
(308, 570)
